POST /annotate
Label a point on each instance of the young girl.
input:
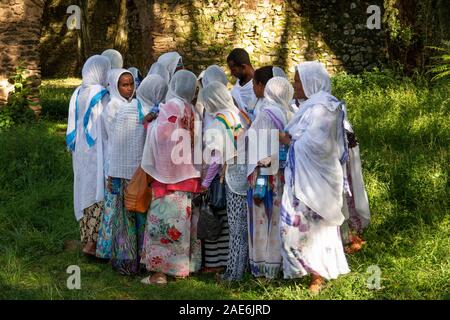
(125, 153)
(264, 201)
(228, 125)
(311, 213)
(84, 140)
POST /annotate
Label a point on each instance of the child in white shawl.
(84, 140)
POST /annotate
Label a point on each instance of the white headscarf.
(314, 77)
(170, 60)
(114, 57)
(94, 75)
(161, 70)
(182, 86)
(152, 92)
(319, 146)
(278, 72)
(88, 160)
(161, 157)
(217, 100)
(214, 73)
(274, 115)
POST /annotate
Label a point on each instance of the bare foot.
(90, 248)
(157, 278)
(316, 284)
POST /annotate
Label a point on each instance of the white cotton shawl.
(88, 161)
(319, 144)
(217, 100)
(109, 115)
(160, 70)
(115, 57)
(164, 142)
(243, 95)
(152, 92)
(263, 142)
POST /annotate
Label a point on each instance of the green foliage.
(441, 63)
(55, 97)
(17, 110)
(403, 128)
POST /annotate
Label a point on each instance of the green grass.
(403, 127)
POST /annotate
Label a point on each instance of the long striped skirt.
(216, 252)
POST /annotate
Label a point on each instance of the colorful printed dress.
(127, 233)
(170, 242)
(263, 228)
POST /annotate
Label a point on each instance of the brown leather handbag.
(138, 194)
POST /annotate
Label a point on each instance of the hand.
(285, 138)
(265, 163)
(258, 201)
(150, 117)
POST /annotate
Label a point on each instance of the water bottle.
(283, 155)
(261, 187)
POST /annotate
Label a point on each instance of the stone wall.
(20, 27)
(275, 32)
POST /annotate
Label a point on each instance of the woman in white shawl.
(311, 213)
(170, 244)
(266, 184)
(221, 139)
(84, 140)
(172, 61)
(215, 252)
(114, 57)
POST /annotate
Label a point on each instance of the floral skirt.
(127, 235)
(170, 242)
(90, 223)
(263, 229)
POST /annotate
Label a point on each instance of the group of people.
(293, 206)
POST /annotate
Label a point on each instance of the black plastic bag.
(209, 225)
(217, 196)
